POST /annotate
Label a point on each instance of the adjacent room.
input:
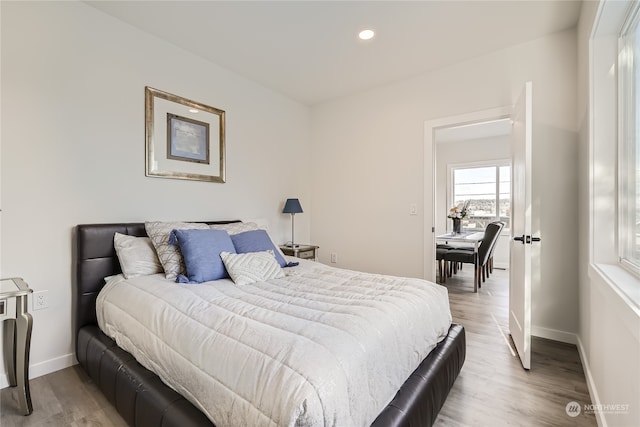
(350, 213)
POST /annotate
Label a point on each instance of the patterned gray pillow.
(251, 267)
(235, 227)
(169, 255)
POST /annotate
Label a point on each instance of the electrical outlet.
(40, 300)
(334, 257)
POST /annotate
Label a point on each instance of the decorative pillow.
(251, 267)
(136, 255)
(235, 227)
(256, 241)
(201, 253)
(248, 225)
(169, 255)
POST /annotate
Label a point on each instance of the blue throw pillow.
(201, 252)
(256, 241)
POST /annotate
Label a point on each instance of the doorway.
(436, 202)
(473, 166)
(460, 148)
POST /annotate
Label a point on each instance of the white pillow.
(137, 255)
(170, 255)
(251, 267)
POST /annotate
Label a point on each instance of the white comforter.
(319, 347)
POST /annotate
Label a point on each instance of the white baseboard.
(554, 334)
(43, 368)
(591, 385)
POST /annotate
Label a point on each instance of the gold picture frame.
(184, 139)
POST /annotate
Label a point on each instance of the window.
(487, 187)
(629, 141)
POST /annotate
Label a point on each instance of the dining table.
(464, 238)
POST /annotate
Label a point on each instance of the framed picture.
(187, 139)
(184, 139)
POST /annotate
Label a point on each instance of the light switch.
(413, 209)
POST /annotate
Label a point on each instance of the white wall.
(469, 151)
(368, 166)
(73, 152)
(609, 324)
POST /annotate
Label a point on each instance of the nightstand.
(17, 337)
(302, 251)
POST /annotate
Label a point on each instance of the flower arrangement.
(460, 211)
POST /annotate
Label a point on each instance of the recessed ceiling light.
(366, 34)
(193, 110)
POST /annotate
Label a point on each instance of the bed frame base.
(138, 394)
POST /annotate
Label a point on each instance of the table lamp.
(292, 206)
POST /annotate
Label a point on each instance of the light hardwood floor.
(492, 389)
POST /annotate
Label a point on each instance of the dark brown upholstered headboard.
(95, 259)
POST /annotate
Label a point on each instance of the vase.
(457, 226)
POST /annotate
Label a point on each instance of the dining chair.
(479, 259)
(488, 268)
(441, 250)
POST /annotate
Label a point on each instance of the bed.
(143, 399)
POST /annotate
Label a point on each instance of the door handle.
(526, 239)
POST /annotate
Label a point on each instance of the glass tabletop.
(13, 287)
(465, 236)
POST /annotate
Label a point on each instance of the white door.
(521, 239)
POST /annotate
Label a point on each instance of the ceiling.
(310, 52)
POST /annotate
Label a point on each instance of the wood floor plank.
(64, 398)
(492, 390)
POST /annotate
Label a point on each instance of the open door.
(520, 277)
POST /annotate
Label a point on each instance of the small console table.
(17, 337)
